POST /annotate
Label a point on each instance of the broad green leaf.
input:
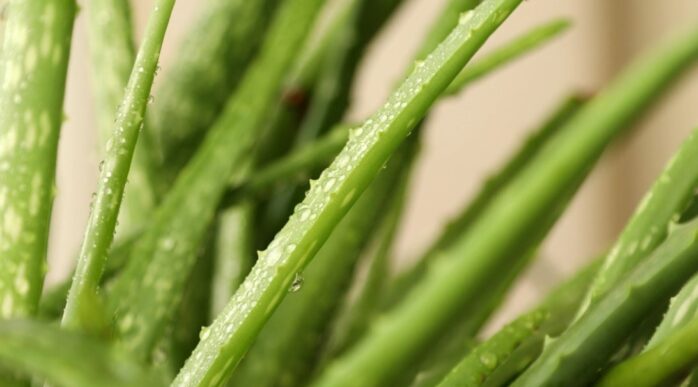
(33, 67)
(67, 359)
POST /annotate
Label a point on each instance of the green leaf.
(33, 69)
(112, 54)
(460, 225)
(145, 297)
(328, 96)
(234, 254)
(464, 274)
(574, 358)
(668, 358)
(193, 92)
(516, 345)
(331, 197)
(288, 346)
(508, 53)
(67, 359)
(454, 341)
(296, 163)
(683, 310)
(54, 298)
(101, 224)
(354, 317)
(648, 227)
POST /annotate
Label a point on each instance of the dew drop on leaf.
(297, 284)
(489, 360)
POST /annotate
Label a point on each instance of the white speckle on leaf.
(12, 223)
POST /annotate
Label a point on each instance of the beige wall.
(468, 135)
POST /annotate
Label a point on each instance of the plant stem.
(668, 358)
(101, 225)
(331, 197)
(146, 295)
(575, 357)
(452, 283)
(648, 226)
(34, 66)
(507, 53)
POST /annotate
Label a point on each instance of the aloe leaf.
(67, 359)
(668, 359)
(574, 357)
(146, 295)
(683, 310)
(34, 65)
(298, 162)
(54, 298)
(182, 333)
(326, 147)
(101, 224)
(508, 53)
(444, 24)
(340, 63)
(451, 283)
(649, 225)
(355, 316)
(112, 54)
(234, 254)
(329, 98)
(455, 340)
(288, 346)
(459, 226)
(518, 343)
(331, 197)
(193, 93)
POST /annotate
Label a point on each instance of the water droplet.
(204, 332)
(489, 360)
(297, 284)
(151, 99)
(101, 165)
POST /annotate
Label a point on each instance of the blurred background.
(468, 136)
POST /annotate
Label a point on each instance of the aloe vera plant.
(215, 164)
(114, 169)
(35, 57)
